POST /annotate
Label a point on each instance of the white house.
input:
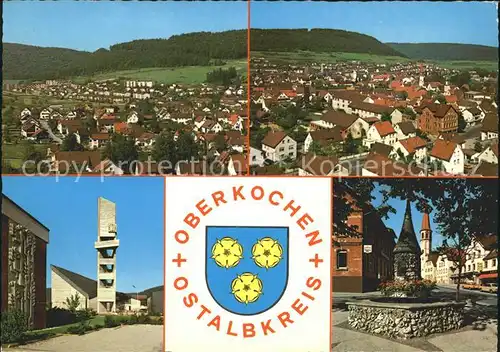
(278, 146)
(415, 146)
(97, 140)
(381, 132)
(489, 127)
(211, 126)
(133, 117)
(490, 154)
(473, 115)
(405, 130)
(352, 124)
(256, 157)
(45, 114)
(367, 110)
(450, 154)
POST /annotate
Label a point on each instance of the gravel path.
(128, 338)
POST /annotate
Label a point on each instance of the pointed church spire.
(407, 241)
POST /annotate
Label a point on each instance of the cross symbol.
(179, 260)
(316, 260)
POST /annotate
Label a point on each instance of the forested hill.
(201, 48)
(447, 51)
(317, 40)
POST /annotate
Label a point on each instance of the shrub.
(98, 327)
(60, 316)
(84, 314)
(14, 325)
(410, 288)
(144, 319)
(79, 329)
(110, 322)
(134, 319)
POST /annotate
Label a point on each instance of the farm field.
(167, 75)
(301, 56)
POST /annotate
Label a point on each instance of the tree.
(121, 150)
(403, 95)
(73, 302)
(70, 144)
(386, 117)
(220, 142)
(350, 146)
(461, 123)
(441, 99)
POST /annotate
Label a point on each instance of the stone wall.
(407, 320)
(406, 266)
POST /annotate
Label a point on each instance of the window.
(485, 264)
(493, 262)
(341, 259)
(468, 267)
(473, 267)
(282, 149)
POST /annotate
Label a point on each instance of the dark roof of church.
(407, 240)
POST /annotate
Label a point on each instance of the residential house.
(98, 140)
(211, 126)
(480, 248)
(473, 116)
(348, 123)
(450, 154)
(382, 132)
(367, 110)
(382, 166)
(68, 162)
(314, 165)
(323, 137)
(341, 99)
(30, 128)
(405, 129)
(279, 146)
(133, 117)
(256, 157)
(489, 127)
(489, 155)
(414, 147)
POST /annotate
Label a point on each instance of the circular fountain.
(407, 310)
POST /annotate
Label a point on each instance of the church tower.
(426, 237)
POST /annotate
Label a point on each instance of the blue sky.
(90, 25)
(453, 22)
(69, 210)
(395, 221)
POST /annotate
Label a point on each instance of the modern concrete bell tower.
(106, 246)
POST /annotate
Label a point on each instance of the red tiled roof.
(412, 144)
(272, 139)
(384, 128)
(443, 149)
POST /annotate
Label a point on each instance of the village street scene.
(405, 276)
(85, 278)
(360, 106)
(180, 110)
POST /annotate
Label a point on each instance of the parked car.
(491, 288)
(471, 286)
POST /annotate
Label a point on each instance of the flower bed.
(415, 288)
